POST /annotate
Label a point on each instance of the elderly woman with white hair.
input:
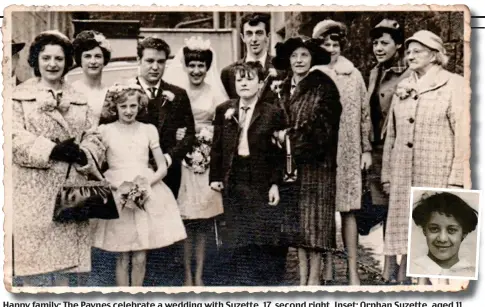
(354, 147)
(425, 136)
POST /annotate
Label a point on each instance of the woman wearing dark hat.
(426, 135)
(354, 148)
(92, 53)
(388, 47)
(311, 101)
(446, 220)
(49, 118)
(16, 48)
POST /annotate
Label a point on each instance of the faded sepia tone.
(125, 28)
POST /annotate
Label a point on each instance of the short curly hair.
(86, 41)
(152, 43)
(50, 38)
(109, 113)
(448, 204)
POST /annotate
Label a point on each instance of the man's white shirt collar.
(146, 87)
(262, 59)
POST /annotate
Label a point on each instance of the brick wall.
(448, 25)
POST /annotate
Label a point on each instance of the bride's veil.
(176, 73)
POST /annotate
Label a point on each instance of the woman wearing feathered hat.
(354, 148)
(312, 104)
(427, 132)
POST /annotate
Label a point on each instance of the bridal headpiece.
(197, 43)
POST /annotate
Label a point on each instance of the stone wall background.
(448, 25)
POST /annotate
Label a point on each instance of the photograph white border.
(478, 229)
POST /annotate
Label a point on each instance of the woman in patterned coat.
(354, 147)
(49, 118)
(311, 101)
(427, 136)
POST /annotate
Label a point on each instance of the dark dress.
(313, 112)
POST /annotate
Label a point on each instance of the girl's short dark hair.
(85, 41)
(198, 55)
(50, 38)
(448, 204)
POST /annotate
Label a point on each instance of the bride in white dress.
(92, 53)
(194, 68)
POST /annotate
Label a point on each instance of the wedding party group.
(263, 152)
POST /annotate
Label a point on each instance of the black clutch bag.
(84, 201)
(291, 173)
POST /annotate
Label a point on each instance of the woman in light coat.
(427, 135)
(47, 115)
(354, 147)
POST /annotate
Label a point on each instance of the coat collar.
(33, 90)
(435, 77)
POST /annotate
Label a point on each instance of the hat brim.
(17, 47)
(284, 50)
(422, 42)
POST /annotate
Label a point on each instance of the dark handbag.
(369, 215)
(84, 201)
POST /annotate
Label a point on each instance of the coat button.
(411, 120)
(382, 94)
(410, 145)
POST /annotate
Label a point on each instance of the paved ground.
(165, 266)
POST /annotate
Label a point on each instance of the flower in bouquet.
(134, 194)
(205, 135)
(198, 160)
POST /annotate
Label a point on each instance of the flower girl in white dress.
(153, 219)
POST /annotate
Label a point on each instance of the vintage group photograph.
(246, 147)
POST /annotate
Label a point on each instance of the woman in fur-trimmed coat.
(47, 115)
(312, 104)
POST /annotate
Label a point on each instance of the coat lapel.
(163, 108)
(256, 114)
(434, 80)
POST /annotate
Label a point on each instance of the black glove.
(69, 152)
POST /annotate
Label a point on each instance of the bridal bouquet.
(134, 194)
(199, 159)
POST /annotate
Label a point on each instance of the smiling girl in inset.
(446, 220)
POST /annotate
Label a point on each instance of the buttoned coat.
(354, 132)
(386, 86)
(41, 245)
(426, 144)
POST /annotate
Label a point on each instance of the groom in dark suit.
(255, 33)
(168, 107)
(247, 166)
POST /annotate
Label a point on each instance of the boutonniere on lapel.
(167, 96)
(405, 90)
(276, 87)
(53, 100)
(230, 114)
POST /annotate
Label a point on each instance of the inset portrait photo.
(443, 234)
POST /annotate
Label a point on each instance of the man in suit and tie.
(255, 33)
(168, 107)
(247, 167)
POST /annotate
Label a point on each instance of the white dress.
(196, 199)
(160, 224)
